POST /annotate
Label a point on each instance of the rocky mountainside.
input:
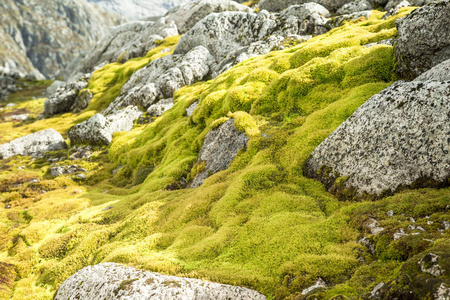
(41, 37)
(138, 9)
(293, 150)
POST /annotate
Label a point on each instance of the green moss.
(260, 223)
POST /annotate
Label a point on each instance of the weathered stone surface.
(319, 284)
(396, 9)
(122, 43)
(440, 72)
(339, 20)
(389, 42)
(393, 3)
(190, 109)
(399, 137)
(219, 149)
(54, 87)
(158, 109)
(271, 5)
(114, 281)
(68, 98)
(8, 83)
(61, 170)
(35, 144)
(355, 6)
(428, 23)
(98, 130)
(186, 16)
(161, 78)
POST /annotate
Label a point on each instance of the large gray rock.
(399, 137)
(393, 3)
(69, 97)
(219, 148)
(423, 39)
(35, 144)
(114, 281)
(98, 130)
(279, 5)
(54, 87)
(440, 72)
(122, 43)
(8, 83)
(162, 77)
(186, 16)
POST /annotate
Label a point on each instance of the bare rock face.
(186, 16)
(114, 281)
(355, 6)
(428, 23)
(35, 144)
(399, 137)
(8, 83)
(219, 148)
(98, 130)
(69, 97)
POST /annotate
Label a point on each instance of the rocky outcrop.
(70, 97)
(355, 6)
(399, 137)
(393, 3)
(270, 5)
(138, 9)
(35, 144)
(186, 16)
(114, 281)
(54, 87)
(122, 43)
(40, 37)
(219, 148)
(98, 130)
(423, 39)
(232, 37)
(161, 78)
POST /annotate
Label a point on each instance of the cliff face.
(40, 37)
(138, 9)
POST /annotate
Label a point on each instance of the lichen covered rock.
(98, 130)
(423, 39)
(270, 5)
(399, 137)
(35, 144)
(219, 149)
(114, 281)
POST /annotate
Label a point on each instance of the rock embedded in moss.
(355, 6)
(398, 138)
(98, 130)
(114, 281)
(219, 149)
(35, 144)
(428, 23)
(270, 5)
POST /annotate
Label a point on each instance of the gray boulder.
(186, 16)
(158, 109)
(219, 148)
(98, 130)
(54, 87)
(355, 6)
(440, 72)
(35, 144)
(114, 281)
(398, 138)
(68, 98)
(162, 77)
(8, 83)
(279, 5)
(423, 39)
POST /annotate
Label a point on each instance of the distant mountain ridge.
(40, 37)
(138, 9)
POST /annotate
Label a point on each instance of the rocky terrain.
(272, 150)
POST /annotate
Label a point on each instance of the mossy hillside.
(105, 85)
(259, 223)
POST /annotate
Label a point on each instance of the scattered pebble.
(411, 227)
(412, 220)
(107, 208)
(390, 213)
(429, 222)
(8, 206)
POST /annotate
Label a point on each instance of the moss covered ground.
(260, 223)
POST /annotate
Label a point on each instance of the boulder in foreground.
(399, 137)
(114, 281)
(35, 144)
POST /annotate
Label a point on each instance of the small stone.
(368, 244)
(375, 294)
(107, 208)
(80, 176)
(399, 234)
(429, 222)
(420, 228)
(412, 220)
(429, 264)
(372, 226)
(446, 225)
(319, 284)
(8, 206)
(191, 108)
(280, 48)
(411, 227)
(390, 213)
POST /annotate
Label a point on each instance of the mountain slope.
(41, 37)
